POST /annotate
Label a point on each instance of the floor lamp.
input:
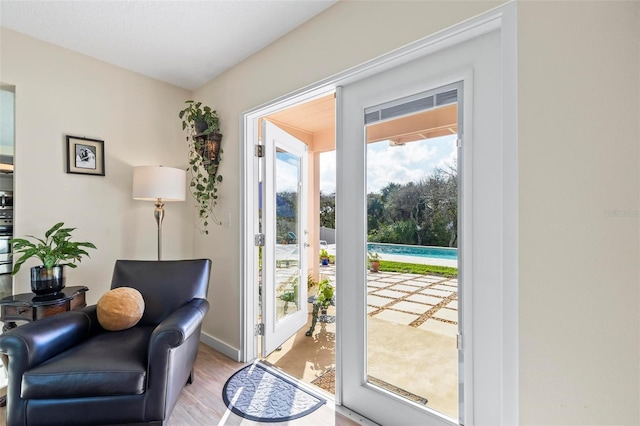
(159, 184)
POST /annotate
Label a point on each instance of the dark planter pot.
(201, 126)
(47, 281)
(325, 261)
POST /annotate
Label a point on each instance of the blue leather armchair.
(66, 369)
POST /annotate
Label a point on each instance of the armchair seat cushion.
(101, 366)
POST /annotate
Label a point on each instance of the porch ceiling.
(318, 115)
(314, 123)
(432, 123)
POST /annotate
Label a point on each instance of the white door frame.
(503, 18)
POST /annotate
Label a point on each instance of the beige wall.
(59, 92)
(579, 115)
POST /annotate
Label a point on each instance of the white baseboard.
(220, 346)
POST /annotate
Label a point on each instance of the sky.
(397, 164)
(287, 172)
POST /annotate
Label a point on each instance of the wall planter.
(204, 138)
(208, 146)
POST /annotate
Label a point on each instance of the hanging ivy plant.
(204, 139)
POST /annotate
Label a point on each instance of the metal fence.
(328, 235)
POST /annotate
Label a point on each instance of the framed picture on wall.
(85, 156)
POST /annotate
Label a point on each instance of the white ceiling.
(186, 43)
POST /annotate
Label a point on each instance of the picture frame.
(85, 156)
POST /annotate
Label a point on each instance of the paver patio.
(427, 302)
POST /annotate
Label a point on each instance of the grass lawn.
(414, 268)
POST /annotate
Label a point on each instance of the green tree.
(423, 212)
(286, 212)
(375, 212)
(328, 210)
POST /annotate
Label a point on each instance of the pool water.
(417, 251)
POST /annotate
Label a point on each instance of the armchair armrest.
(178, 326)
(172, 352)
(35, 342)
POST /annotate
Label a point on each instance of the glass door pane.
(288, 181)
(412, 222)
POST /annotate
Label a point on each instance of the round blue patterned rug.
(259, 393)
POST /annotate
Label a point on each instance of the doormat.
(327, 381)
(260, 393)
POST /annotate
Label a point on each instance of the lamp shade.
(153, 182)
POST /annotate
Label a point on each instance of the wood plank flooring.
(201, 404)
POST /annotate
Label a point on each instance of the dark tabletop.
(32, 299)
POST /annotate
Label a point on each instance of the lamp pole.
(159, 215)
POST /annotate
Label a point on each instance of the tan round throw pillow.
(120, 308)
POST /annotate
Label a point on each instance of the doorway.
(298, 327)
(412, 311)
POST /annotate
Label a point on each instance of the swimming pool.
(416, 251)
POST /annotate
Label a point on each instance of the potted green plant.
(201, 119)
(55, 251)
(326, 292)
(374, 261)
(324, 257)
(203, 135)
(321, 301)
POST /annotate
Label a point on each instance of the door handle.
(306, 245)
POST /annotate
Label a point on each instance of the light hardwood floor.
(201, 404)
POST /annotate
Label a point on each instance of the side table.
(31, 307)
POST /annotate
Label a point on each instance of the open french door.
(284, 256)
